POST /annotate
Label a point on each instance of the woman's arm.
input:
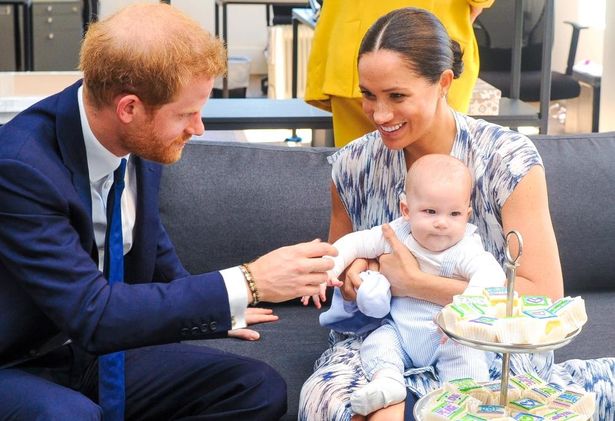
(340, 221)
(527, 211)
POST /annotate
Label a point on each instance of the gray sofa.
(227, 203)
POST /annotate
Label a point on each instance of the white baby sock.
(387, 388)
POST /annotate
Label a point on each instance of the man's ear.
(127, 107)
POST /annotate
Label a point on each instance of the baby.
(434, 226)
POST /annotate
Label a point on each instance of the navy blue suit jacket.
(50, 284)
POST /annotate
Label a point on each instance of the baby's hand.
(321, 297)
(333, 281)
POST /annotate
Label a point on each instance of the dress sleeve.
(512, 159)
(348, 176)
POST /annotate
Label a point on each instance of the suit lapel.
(72, 150)
(71, 143)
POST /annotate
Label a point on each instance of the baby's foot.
(377, 394)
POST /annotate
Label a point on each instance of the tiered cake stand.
(510, 266)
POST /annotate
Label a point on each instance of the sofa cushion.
(581, 184)
(226, 203)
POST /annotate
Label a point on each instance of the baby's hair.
(438, 168)
(419, 37)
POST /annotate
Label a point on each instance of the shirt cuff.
(237, 296)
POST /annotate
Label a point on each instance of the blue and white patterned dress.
(369, 178)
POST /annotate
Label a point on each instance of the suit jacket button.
(212, 326)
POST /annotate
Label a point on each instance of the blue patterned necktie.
(111, 366)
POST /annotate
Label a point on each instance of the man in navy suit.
(148, 71)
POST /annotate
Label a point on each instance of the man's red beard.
(152, 148)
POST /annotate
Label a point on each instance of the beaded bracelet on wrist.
(251, 284)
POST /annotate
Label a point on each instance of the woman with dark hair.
(332, 75)
(406, 63)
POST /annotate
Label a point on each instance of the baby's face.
(438, 214)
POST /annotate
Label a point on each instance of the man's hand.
(293, 271)
(399, 266)
(253, 315)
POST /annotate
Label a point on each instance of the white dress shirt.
(101, 165)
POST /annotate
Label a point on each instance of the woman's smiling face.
(401, 104)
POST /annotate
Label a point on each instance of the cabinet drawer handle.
(50, 36)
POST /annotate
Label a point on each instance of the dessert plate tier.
(503, 347)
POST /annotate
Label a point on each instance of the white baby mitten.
(374, 294)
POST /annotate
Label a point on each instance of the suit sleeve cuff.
(237, 296)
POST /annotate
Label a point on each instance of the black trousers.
(166, 382)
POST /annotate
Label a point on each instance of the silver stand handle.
(510, 267)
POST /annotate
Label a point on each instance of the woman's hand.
(406, 278)
(400, 266)
(254, 315)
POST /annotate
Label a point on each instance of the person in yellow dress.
(332, 79)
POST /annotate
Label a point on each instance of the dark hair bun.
(457, 59)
